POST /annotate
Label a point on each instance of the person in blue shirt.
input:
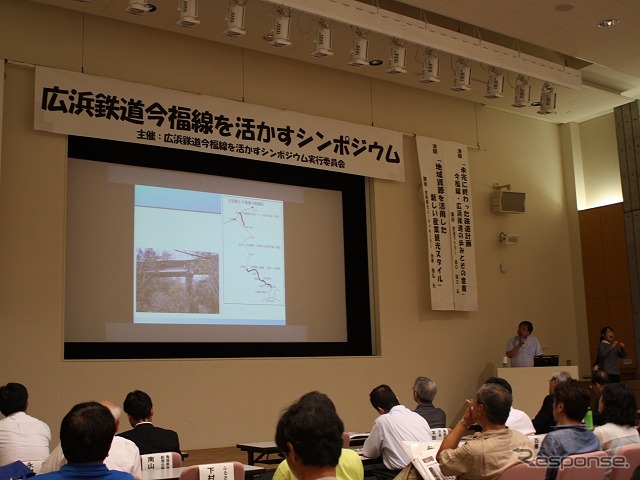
(570, 436)
(86, 433)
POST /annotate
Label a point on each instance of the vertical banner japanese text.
(446, 184)
(85, 105)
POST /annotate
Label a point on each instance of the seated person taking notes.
(395, 424)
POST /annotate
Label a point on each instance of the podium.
(531, 384)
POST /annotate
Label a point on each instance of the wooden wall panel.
(606, 279)
(593, 260)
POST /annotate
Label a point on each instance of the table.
(262, 449)
(250, 471)
(257, 451)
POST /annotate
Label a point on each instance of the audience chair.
(160, 461)
(584, 466)
(34, 465)
(523, 471)
(631, 453)
(235, 471)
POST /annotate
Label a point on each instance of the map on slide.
(253, 231)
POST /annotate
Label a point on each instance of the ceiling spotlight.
(397, 59)
(281, 29)
(323, 41)
(547, 100)
(235, 20)
(359, 51)
(188, 13)
(523, 92)
(609, 22)
(139, 7)
(495, 83)
(462, 79)
(431, 71)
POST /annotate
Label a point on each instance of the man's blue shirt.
(565, 440)
(86, 471)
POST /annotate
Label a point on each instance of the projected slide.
(207, 258)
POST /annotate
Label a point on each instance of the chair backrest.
(229, 470)
(160, 461)
(631, 455)
(584, 466)
(523, 471)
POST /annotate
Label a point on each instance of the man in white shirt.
(123, 454)
(523, 347)
(22, 437)
(395, 424)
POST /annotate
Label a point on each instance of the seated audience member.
(618, 406)
(424, 391)
(492, 451)
(123, 454)
(395, 424)
(543, 421)
(599, 380)
(148, 437)
(349, 465)
(309, 433)
(86, 433)
(570, 436)
(22, 437)
(518, 420)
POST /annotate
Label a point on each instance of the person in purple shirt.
(86, 433)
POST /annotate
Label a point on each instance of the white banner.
(77, 104)
(446, 185)
(431, 160)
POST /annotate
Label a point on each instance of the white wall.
(600, 165)
(220, 402)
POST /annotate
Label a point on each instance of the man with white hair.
(543, 421)
(123, 454)
(424, 391)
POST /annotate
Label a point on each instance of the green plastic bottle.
(588, 419)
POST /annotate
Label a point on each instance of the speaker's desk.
(531, 384)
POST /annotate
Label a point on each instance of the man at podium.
(523, 347)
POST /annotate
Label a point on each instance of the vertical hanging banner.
(431, 158)
(446, 185)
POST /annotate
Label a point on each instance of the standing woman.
(609, 353)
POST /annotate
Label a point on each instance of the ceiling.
(564, 31)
